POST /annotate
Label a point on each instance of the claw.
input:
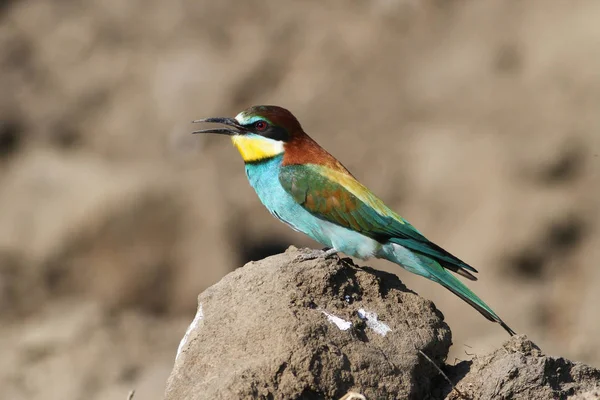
(314, 254)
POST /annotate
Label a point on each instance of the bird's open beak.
(236, 128)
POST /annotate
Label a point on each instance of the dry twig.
(443, 374)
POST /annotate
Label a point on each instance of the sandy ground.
(476, 121)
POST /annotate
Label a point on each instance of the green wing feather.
(337, 197)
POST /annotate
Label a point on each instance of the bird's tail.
(450, 282)
(431, 269)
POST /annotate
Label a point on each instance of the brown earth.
(281, 328)
(477, 121)
(519, 370)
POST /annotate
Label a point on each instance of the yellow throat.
(255, 148)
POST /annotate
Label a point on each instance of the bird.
(308, 189)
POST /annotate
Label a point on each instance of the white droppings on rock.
(372, 322)
(342, 324)
(199, 316)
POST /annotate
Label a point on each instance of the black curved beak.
(236, 128)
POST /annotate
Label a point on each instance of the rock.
(281, 328)
(519, 370)
(285, 329)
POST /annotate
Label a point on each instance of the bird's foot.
(314, 254)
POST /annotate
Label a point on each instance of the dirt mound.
(286, 329)
(283, 329)
(519, 370)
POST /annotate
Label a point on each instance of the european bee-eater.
(307, 188)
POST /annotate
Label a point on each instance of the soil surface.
(281, 328)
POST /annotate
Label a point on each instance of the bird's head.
(260, 132)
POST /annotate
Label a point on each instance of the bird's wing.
(336, 196)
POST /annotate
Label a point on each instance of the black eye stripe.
(270, 131)
(275, 133)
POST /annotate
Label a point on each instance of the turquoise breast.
(264, 178)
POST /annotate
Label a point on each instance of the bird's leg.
(313, 254)
(328, 252)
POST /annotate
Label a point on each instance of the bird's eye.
(260, 125)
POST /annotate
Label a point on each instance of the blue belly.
(264, 178)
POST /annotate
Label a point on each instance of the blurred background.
(478, 121)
